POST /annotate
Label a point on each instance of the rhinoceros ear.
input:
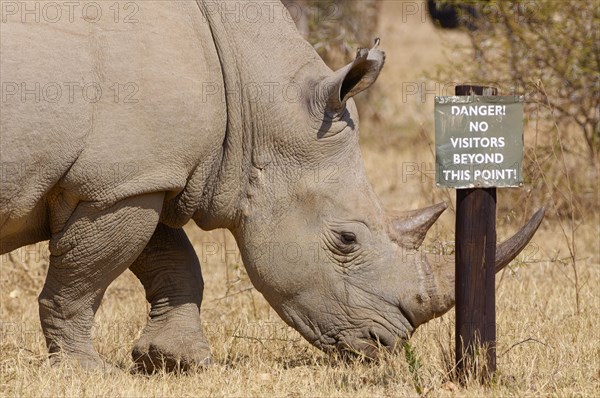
(354, 77)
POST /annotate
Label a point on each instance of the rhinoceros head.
(316, 241)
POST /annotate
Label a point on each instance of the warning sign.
(479, 141)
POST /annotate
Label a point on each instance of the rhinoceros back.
(103, 109)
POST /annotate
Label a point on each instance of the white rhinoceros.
(120, 122)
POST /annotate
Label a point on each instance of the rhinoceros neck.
(261, 55)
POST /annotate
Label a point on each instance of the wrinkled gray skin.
(111, 182)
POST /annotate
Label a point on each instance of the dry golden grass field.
(548, 307)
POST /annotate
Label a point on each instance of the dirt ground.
(545, 346)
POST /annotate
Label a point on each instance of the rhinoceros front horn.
(438, 277)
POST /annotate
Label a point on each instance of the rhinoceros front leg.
(93, 248)
(170, 272)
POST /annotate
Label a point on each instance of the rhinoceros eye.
(348, 238)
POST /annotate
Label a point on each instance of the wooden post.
(475, 273)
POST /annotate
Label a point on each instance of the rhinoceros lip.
(370, 344)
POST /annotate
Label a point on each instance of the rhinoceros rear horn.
(353, 78)
(408, 229)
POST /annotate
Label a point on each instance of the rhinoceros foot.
(174, 342)
(88, 363)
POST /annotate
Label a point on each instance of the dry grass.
(545, 346)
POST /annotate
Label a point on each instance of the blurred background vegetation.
(336, 28)
(549, 52)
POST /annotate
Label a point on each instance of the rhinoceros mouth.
(370, 343)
